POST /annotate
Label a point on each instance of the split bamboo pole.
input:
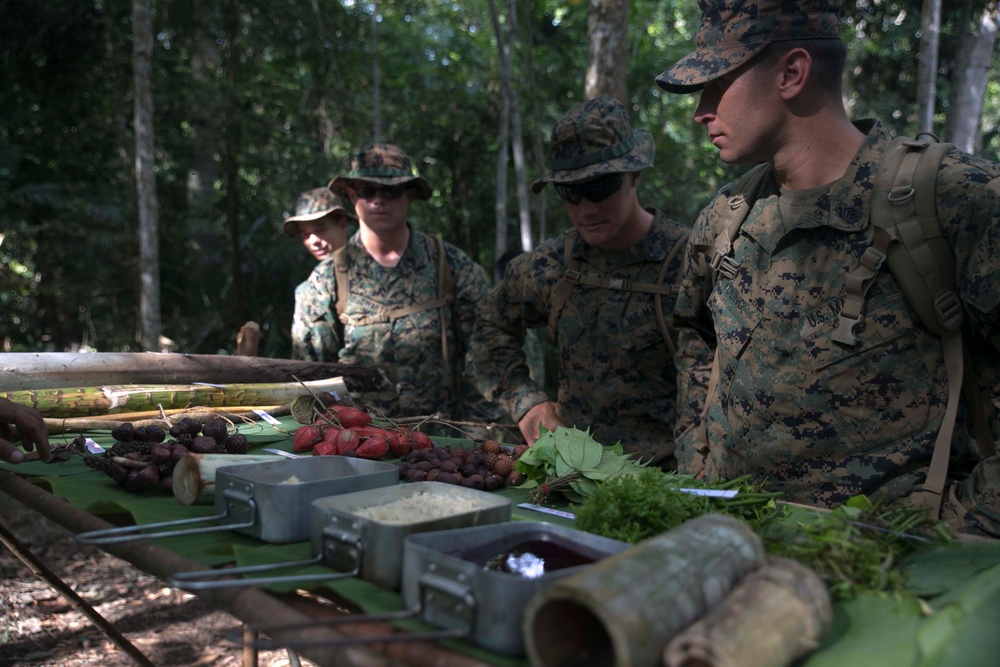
(112, 399)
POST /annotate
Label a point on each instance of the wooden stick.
(159, 418)
(114, 399)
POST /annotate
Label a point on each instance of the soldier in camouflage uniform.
(321, 222)
(616, 373)
(394, 316)
(817, 419)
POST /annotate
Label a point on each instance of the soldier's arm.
(970, 207)
(496, 352)
(695, 349)
(314, 324)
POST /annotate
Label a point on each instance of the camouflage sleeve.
(470, 289)
(695, 342)
(496, 355)
(314, 334)
(969, 200)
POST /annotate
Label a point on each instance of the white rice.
(419, 507)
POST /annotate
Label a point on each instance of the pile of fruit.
(349, 431)
(142, 458)
(487, 466)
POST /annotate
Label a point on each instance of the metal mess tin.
(267, 501)
(363, 546)
(374, 546)
(445, 576)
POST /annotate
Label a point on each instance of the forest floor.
(38, 627)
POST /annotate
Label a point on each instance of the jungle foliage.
(256, 101)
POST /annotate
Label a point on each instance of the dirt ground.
(38, 627)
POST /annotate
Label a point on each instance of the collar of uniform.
(418, 252)
(652, 247)
(850, 197)
(845, 205)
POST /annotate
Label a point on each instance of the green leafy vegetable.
(570, 462)
(635, 507)
(857, 546)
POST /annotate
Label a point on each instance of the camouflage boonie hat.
(384, 164)
(313, 205)
(595, 138)
(734, 31)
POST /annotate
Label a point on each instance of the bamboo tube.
(112, 399)
(774, 616)
(193, 479)
(161, 418)
(52, 370)
(624, 609)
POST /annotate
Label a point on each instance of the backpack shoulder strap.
(731, 212)
(908, 232)
(564, 286)
(341, 267)
(658, 297)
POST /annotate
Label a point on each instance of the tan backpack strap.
(733, 211)
(564, 286)
(658, 298)
(341, 267)
(924, 266)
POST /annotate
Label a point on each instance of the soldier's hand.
(545, 414)
(30, 428)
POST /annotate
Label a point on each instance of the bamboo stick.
(772, 617)
(52, 370)
(160, 417)
(113, 399)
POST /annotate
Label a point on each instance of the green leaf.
(585, 487)
(963, 632)
(577, 448)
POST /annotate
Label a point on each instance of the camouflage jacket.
(408, 349)
(818, 420)
(616, 375)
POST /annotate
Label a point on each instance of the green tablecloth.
(949, 620)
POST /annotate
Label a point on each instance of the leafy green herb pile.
(570, 462)
(857, 545)
(634, 508)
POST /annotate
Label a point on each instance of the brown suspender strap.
(658, 298)
(446, 296)
(563, 288)
(573, 276)
(341, 267)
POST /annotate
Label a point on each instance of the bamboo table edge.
(250, 605)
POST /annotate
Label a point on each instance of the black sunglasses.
(370, 192)
(595, 191)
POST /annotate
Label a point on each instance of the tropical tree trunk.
(607, 33)
(237, 313)
(503, 131)
(537, 145)
(376, 80)
(965, 113)
(930, 30)
(149, 248)
(520, 176)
